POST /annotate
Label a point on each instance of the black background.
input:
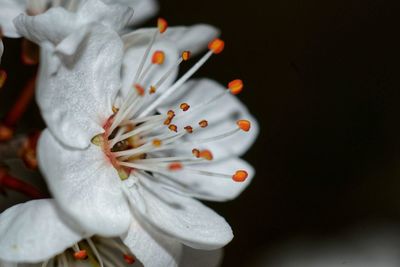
(322, 78)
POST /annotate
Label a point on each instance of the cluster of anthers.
(132, 138)
(97, 251)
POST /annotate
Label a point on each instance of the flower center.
(137, 142)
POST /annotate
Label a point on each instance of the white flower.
(36, 232)
(88, 150)
(12, 8)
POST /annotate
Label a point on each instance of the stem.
(15, 184)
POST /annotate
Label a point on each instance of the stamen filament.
(177, 84)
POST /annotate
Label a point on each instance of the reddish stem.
(9, 182)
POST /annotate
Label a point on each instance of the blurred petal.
(152, 248)
(8, 11)
(33, 232)
(85, 185)
(180, 217)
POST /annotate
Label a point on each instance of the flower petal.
(152, 248)
(8, 11)
(212, 188)
(180, 217)
(114, 14)
(33, 232)
(75, 97)
(85, 185)
(221, 117)
(200, 258)
(1, 49)
(144, 9)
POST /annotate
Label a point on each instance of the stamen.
(240, 176)
(196, 152)
(95, 252)
(176, 166)
(188, 129)
(81, 255)
(244, 125)
(139, 89)
(203, 123)
(235, 86)
(162, 25)
(215, 46)
(206, 154)
(185, 56)
(158, 57)
(173, 127)
(157, 142)
(129, 259)
(184, 106)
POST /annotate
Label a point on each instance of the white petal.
(200, 258)
(75, 97)
(180, 217)
(152, 248)
(212, 188)
(221, 117)
(144, 9)
(85, 185)
(52, 26)
(8, 11)
(33, 232)
(108, 12)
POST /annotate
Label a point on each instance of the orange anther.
(158, 57)
(188, 129)
(170, 114)
(81, 255)
(115, 109)
(129, 259)
(139, 89)
(152, 90)
(167, 121)
(244, 125)
(175, 166)
(240, 176)
(162, 25)
(206, 154)
(203, 123)
(184, 106)
(236, 86)
(216, 45)
(3, 78)
(156, 142)
(6, 133)
(173, 128)
(186, 55)
(196, 152)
